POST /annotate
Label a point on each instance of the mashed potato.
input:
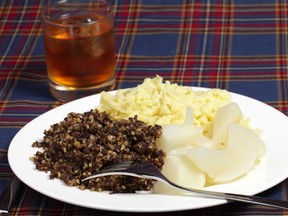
(165, 103)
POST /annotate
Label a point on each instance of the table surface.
(240, 45)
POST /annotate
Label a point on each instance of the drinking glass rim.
(53, 4)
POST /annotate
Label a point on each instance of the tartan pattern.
(240, 45)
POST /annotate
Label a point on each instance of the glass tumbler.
(79, 47)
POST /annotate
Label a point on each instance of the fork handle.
(229, 196)
(9, 195)
(233, 197)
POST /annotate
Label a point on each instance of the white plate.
(270, 172)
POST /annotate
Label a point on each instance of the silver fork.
(148, 170)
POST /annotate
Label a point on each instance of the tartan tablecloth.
(239, 45)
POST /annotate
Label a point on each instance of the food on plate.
(180, 170)
(204, 133)
(198, 138)
(81, 144)
(231, 154)
(223, 118)
(180, 135)
(164, 103)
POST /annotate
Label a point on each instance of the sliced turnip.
(181, 171)
(224, 116)
(179, 135)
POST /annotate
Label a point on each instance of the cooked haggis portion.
(82, 144)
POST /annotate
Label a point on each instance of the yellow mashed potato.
(164, 103)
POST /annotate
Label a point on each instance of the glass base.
(64, 93)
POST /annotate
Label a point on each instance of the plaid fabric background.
(239, 45)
